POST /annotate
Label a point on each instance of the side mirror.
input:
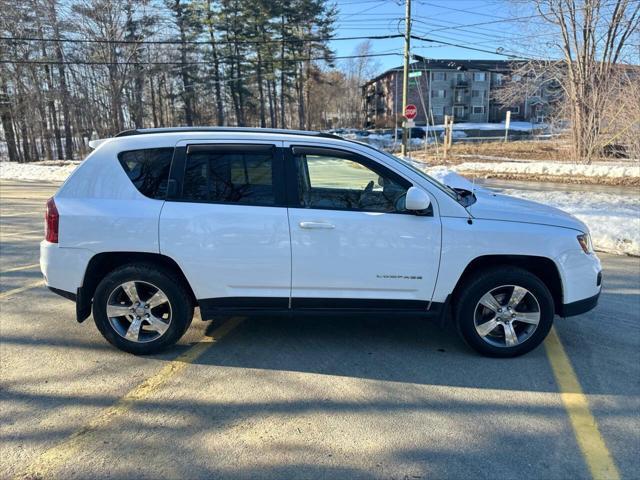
(417, 199)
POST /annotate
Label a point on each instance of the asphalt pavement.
(307, 398)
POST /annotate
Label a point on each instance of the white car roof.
(168, 137)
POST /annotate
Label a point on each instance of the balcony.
(460, 83)
(460, 99)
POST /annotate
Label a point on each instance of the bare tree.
(593, 35)
(358, 71)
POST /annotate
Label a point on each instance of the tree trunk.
(272, 113)
(263, 120)
(300, 93)
(24, 133)
(7, 123)
(187, 88)
(53, 114)
(216, 68)
(153, 102)
(64, 91)
(161, 83)
(282, 74)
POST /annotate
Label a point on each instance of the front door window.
(344, 182)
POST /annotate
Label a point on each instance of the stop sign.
(410, 111)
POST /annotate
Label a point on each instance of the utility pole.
(405, 76)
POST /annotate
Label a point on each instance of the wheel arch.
(542, 267)
(103, 263)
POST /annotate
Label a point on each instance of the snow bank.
(50, 171)
(608, 170)
(613, 219)
(519, 126)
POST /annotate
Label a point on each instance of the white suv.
(239, 221)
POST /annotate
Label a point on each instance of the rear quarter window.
(148, 170)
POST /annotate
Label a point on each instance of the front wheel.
(140, 309)
(504, 312)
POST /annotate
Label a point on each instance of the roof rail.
(147, 131)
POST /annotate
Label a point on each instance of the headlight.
(585, 242)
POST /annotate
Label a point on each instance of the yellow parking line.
(15, 291)
(592, 445)
(55, 457)
(20, 268)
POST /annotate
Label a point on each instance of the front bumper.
(579, 307)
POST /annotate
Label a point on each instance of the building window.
(438, 93)
(439, 76)
(458, 112)
(498, 79)
(478, 94)
(478, 109)
(515, 110)
(460, 77)
(479, 77)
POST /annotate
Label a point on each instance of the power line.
(277, 61)
(450, 44)
(197, 42)
(500, 19)
(499, 50)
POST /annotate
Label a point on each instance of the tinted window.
(245, 178)
(148, 170)
(344, 183)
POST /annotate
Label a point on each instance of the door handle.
(317, 225)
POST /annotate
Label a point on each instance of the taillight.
(51, 222)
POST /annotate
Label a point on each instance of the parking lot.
(308, 398)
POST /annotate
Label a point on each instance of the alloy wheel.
(507, 316)
(139, 311)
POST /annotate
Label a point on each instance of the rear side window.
(236, 176)
(148, 170)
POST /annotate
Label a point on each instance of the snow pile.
(377, 140)
(455, 134)
(515, 126)
(613, 219)
(48, 171)
(448, 177)
(601, 170)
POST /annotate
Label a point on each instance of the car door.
(354, 245)
(225, 223)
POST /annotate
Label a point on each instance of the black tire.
(176, 293)
(473, 290)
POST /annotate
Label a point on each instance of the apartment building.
(461, 88)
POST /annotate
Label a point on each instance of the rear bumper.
(579, 307)
(63, 268)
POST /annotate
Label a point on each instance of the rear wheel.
(140, 309)
(504, 312)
